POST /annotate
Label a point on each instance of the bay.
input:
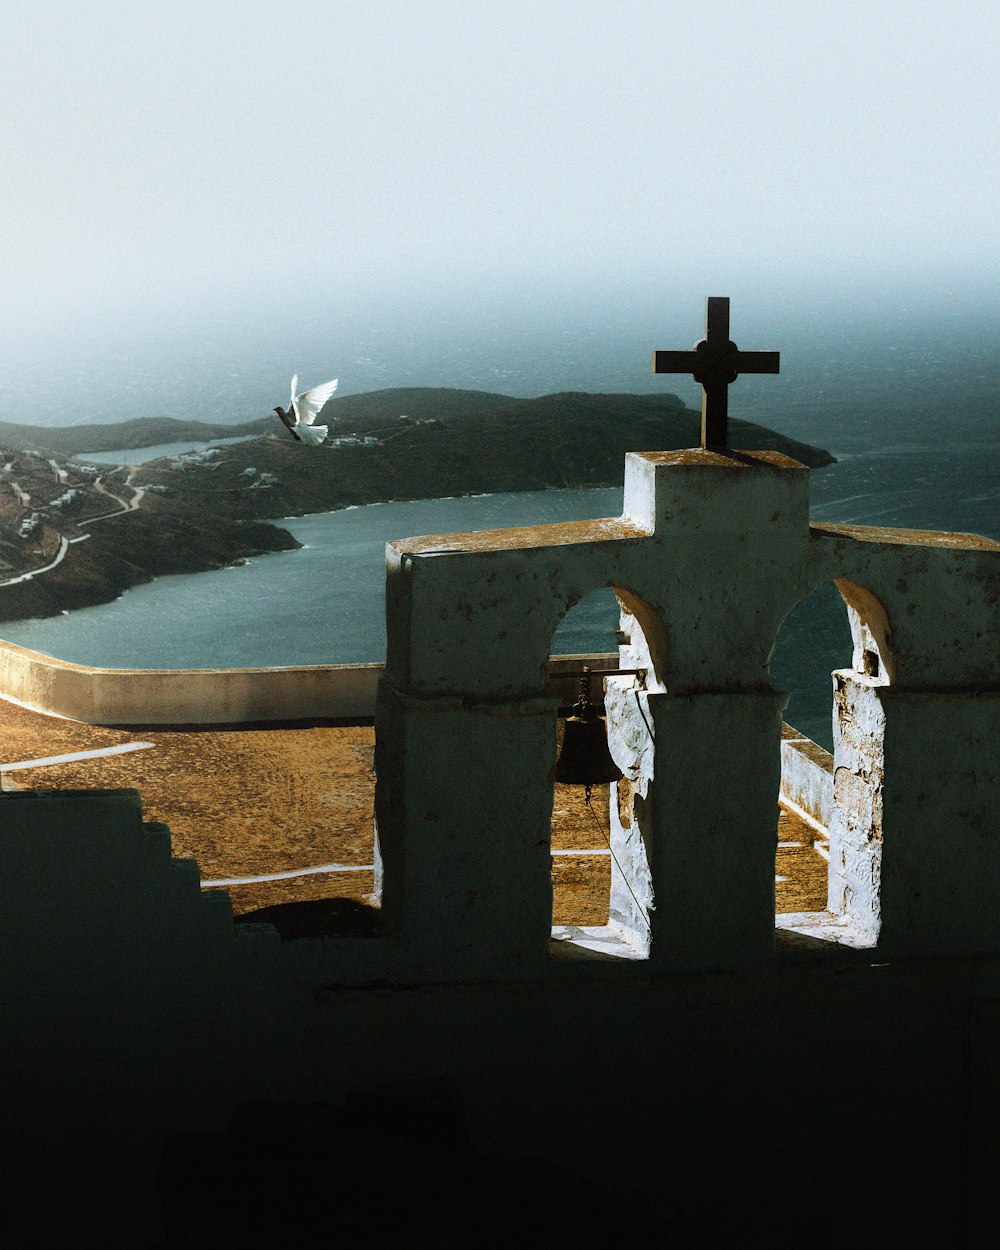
(142, 455)
(321, 604)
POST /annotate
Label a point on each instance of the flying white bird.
(304, 410)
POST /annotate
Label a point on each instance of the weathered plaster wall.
(462, 804)
(940, 817)
(856, 829)
(711, 553)
(707, 557)
(929, 599)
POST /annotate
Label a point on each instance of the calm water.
(140, 455)
(321, 604)
(907, 399)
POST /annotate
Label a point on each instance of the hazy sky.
(170, 153)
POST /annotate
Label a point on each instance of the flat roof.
(294, 802)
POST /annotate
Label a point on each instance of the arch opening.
(602, 888)
(833, 651)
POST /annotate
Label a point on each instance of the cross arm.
(674, 362)
(758, 362)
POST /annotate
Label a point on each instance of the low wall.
(108, 696)
(806, 775)
(213, 696)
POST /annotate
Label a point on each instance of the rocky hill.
(73, 533)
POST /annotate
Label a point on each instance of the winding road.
(129, 505)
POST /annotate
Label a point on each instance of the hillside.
(428, 443)
(74, 440)
(354, 412)
(73, 534)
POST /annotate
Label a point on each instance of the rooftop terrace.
(293, 802)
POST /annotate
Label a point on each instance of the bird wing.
(311, 434)
(292, 407)
(309, 403)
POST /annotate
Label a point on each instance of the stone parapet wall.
(214, 696)
(107, 696)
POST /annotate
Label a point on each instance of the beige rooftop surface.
(250, 800)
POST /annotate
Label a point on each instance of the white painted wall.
(711, 553)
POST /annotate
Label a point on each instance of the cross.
(715, 362)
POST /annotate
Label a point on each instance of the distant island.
(74, 534)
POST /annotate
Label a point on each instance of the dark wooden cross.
(715, 362)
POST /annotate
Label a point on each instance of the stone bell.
(585, 759)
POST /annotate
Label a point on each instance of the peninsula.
(74, 533)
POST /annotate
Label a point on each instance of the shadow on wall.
(393, 1166)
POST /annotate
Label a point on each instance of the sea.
(905, 393)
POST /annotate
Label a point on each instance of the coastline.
(213, 509)
(88, 591)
